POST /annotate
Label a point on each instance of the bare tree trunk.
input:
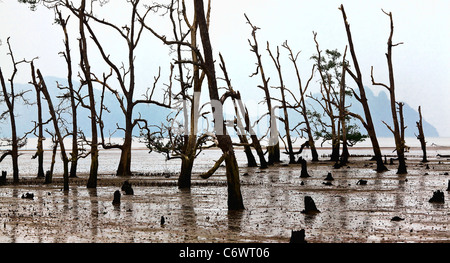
(397, 131)
(10, 101)
(124, 168)
(73, 105)
(402, 159)
(239, 110)
(421, 137)
(345, 154)
(273, 148)
(86, 68)
(235, 201)
(39, 149)
(302, 104)
(367, 123)
(57, 130)
(277, 63)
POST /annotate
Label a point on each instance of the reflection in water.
(273, 201)
(93, 198)
(188, 218)
(235, 220)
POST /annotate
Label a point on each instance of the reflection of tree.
(188, 216)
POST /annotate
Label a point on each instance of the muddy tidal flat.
(350, 212)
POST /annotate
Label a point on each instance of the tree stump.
(304, 172)
(438, 197)
(28, 196)
(310, 206)
(126, 187)
(298, 237)
(329, 177)
(3, 178)
(48, 177)
(116, 200)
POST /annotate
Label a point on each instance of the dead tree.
(421, 137)
(273, 147)
(74, 155)
(10, 95)
(242, 130)
(361, 98)
(126, 76)
(86, 80)
(342, 115)
(56, 127)
(301, 103)
(235, 201)
(398, 129)
(40, 136)
(189, 143)
(285, 119)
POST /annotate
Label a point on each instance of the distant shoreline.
(435, 143)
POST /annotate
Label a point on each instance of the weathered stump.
(126, 187)
(298, 237)
(304, 172)
(438, 197)
(116, 200)
(310, 206)
(329, 177)
(3, 178)
(48, 177)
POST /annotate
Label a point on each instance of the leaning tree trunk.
(421, 137)
(57, 131)
(235, 201)
(368, 123)
(398, 129)
(73, 105)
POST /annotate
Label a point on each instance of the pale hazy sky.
(421, 64)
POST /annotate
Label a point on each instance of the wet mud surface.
(273, 198)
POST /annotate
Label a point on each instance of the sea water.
(144, 162)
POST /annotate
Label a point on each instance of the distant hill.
(26, 114)
(380, 111)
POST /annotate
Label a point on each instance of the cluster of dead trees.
(193, 68)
